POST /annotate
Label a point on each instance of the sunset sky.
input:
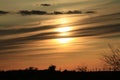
(66, 40)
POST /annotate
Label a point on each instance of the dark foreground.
(58, 75)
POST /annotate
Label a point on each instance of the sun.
(64, 40)
(64, 29)
(64, 34)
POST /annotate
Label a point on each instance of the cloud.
(84, 32)
(99, 30)
(94, 27)
(45, 4)
(25, 30)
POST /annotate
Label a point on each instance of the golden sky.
(64, 40)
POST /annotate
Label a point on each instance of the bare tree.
(82, 68)
(112, 59)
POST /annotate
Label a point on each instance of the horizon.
(65, 40)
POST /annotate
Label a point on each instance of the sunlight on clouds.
(63, 20)
(64, 34)
(64, 40)
(64, 29)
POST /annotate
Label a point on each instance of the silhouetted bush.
(51, 74)
(31, 68)
(113, 59)
(82, 69)
(52, 68)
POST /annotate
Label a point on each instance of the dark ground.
(58, 75)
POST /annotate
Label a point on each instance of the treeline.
(39, 12)
(32, 73)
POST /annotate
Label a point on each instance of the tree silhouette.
(113, 59)
(31, 68)
(52, 68)
(82, 68)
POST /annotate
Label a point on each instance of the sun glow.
(64, 34)
(64, 40)
(64, 29)
(63, 21)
